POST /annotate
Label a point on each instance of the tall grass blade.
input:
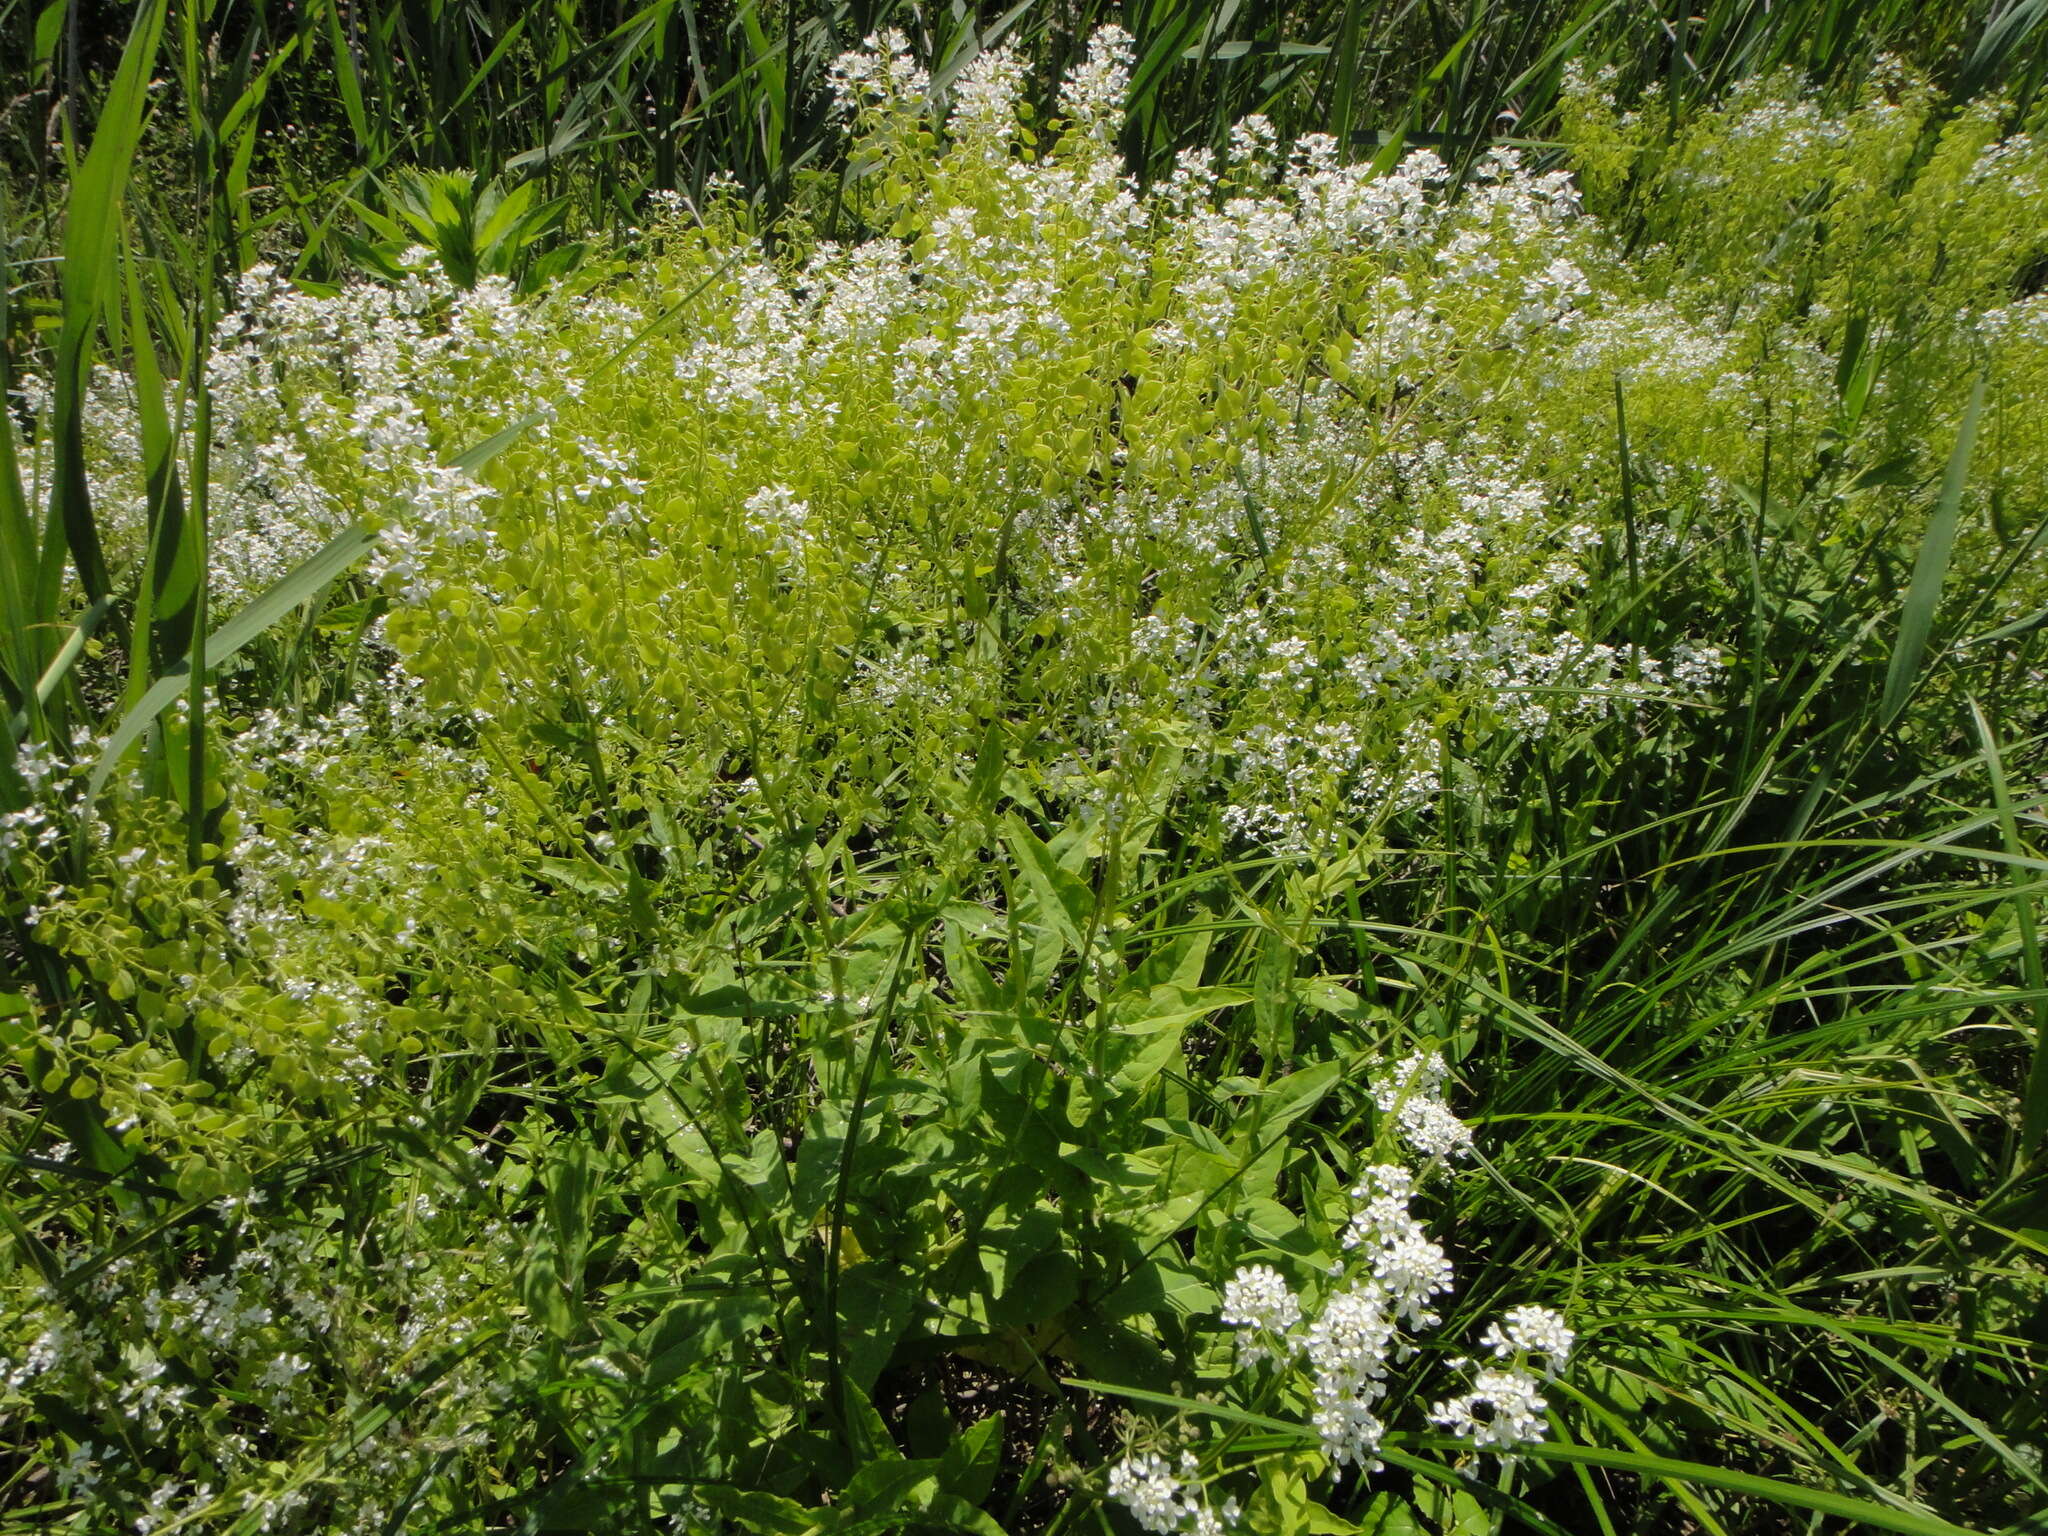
(348, 81)
(91, 223)
(1861, 1513)
(2034, 1097)
(19, 725)
(17, 543)
(290, 590)
(2005, 35)
(1923, 596)
(164, 600)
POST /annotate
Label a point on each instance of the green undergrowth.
(878, 816)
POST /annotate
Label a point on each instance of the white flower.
(985, 99)
(881, 73)
(1420, 1074)
(1504, 1409)
(1092, 96)
(1532, 1331)
(1430, 1128)
(1146, 1486)
(1351, 1432)
(280, 1373)
(1254, 142)
(1161, 1502)
(1412, 1091)
(1410, 1269)
(1257, 1299)
(779, 519)
(1384, 1191)
(1348, 1345)
(1407, 1267)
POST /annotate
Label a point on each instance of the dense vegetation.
(1275, 773)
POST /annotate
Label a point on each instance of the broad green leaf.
(1916, 619)
(91, 223)
(1064, 900)
(287, 593)
(969, 1466)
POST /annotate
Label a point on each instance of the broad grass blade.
(1923, 596)
(92, 220)
(292, 589)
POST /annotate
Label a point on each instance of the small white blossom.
(1532, 1331)
(1412, 1091)
(1350, 1343)
(1503, 1410)
(1160, 1502)
(1092, 96)
(1258, 1300)
(1351, 1432)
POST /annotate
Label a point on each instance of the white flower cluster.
(1288, 776)
(780, 520)
(881, 74)
(1364, 1327)
(1349, 1348)
(1408, 1269)
(1504, 1406)
(1258, 1300)
(1461, 571)
(1092, 96)
(33, 829)
(312, 392)
(1532, 1331)
(1161, 1502)
(1412, 1091)
(1383, 1297)
(1504, 1409)
(984, 108)
(274, 1323)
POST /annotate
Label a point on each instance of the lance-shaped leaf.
(166, 601)
(1930, 568)
(290, 590)
(91, 221)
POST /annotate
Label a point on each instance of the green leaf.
(882, 1487)
(60, 664)
(961, 1514)
(1064, 901)
(49, 27)
(1289, 1098)
(1916, 621)
(693, 1329)
(876, 1302)
(349, 82)
(166, 602)
(765, 1514)
(476, 457)
(287, 593)
(1113, 1350)
(1042, 1286)
(968, 1468)
(91, 221)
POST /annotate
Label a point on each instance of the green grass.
(311, 107)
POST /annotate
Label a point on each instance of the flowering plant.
(1337, 1357)
(898, 842)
